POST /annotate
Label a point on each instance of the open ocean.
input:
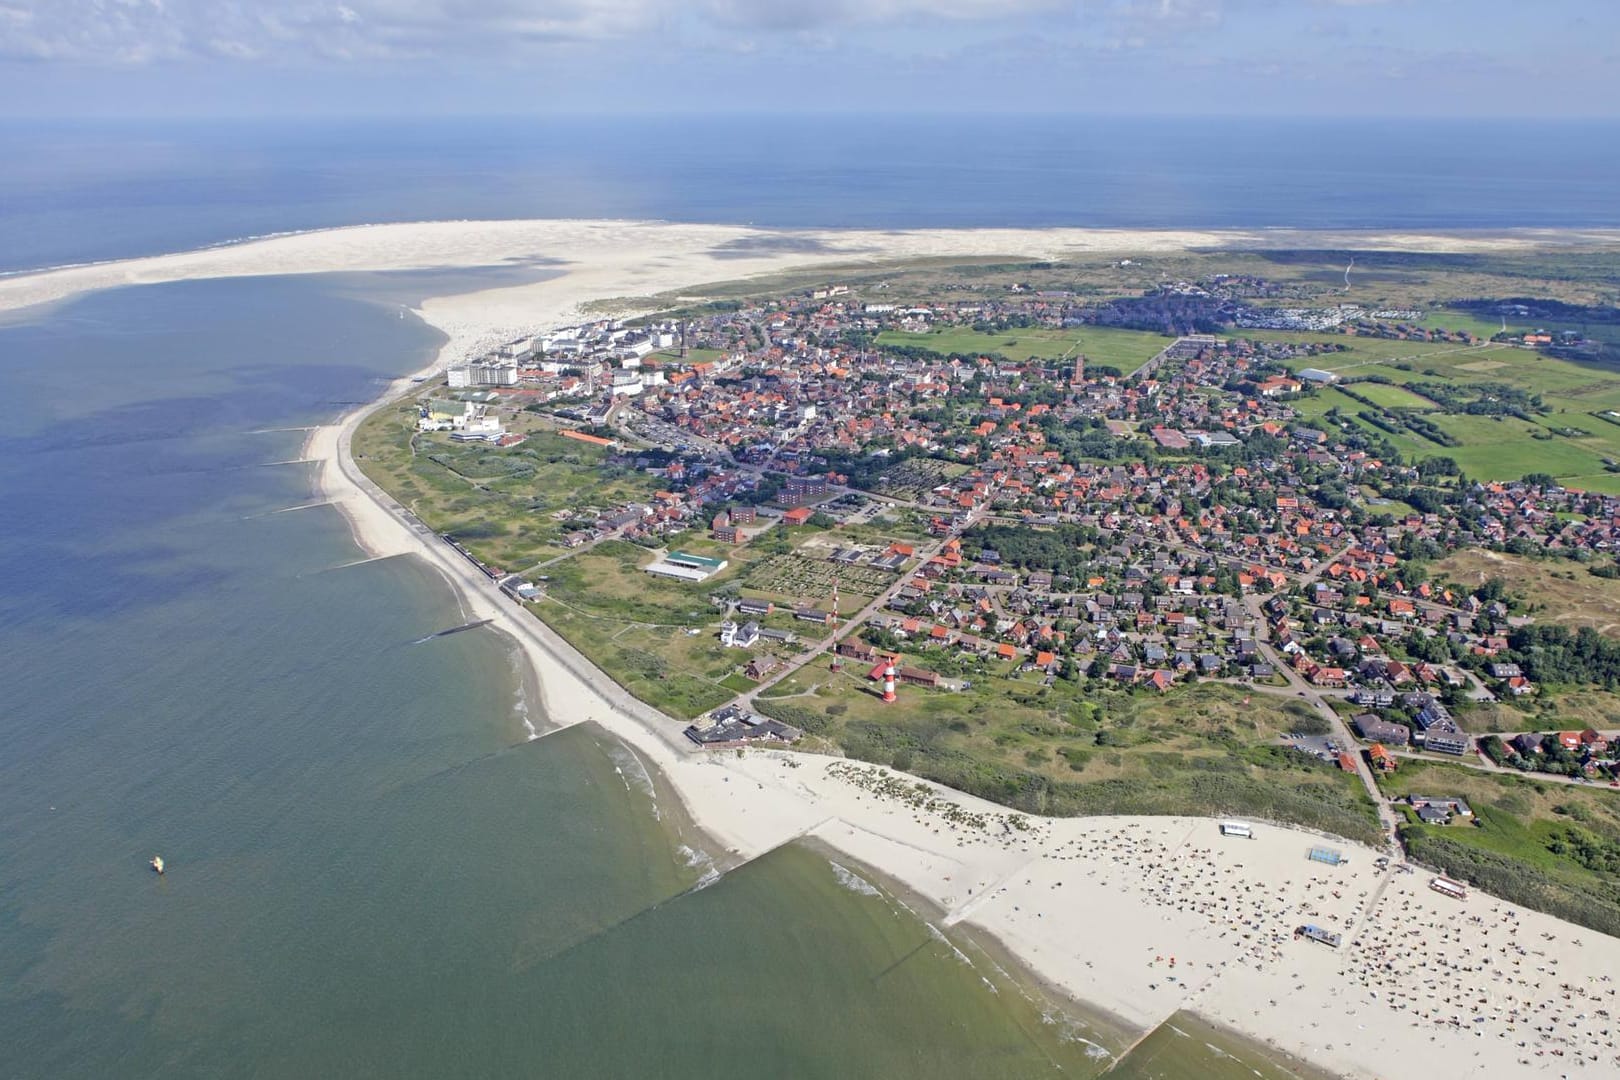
(91, 191)
(372, 872)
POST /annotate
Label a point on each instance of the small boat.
(157, 863)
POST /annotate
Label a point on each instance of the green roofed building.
(679, 564)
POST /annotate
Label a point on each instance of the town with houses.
(1181, 520)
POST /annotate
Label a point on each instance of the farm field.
(1126, 350)
(1392, 397)
(1447, 319)
(1357, 352)
(1318, 404)
(1507, 448)
(1604, 483)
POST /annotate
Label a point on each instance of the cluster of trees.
(1553, 758)
(863, 468)
(1550, 653)
(1421, 425)
(1094, 442)
(1063, 549)
(763, 493)
(1539, 310)
(924, 353)
(1556, 654)
(1600, 854)
(1482, 399)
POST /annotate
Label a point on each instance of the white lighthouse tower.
(888, 682)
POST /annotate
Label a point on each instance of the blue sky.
(410, 57)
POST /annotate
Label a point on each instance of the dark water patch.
(1186, 1045)
(781, 965)
(747, 246)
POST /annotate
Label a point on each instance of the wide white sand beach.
(1140, 917)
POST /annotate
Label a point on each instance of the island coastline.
(1103, 948)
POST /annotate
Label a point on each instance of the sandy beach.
(1140, 917)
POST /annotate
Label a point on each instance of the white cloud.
(136, 31)
(493, 31)
(797, 14)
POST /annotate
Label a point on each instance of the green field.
(1569, 441)
(1392, 397)
(1446, 319)
(1315, 405)
(1126, 350)
(1360, 352)
(632, 625)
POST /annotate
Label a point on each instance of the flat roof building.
(687, 567)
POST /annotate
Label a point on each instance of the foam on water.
(853, 881)
(634, 774)
(939, 935)
(520, 698)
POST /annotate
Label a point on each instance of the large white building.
(482, 373)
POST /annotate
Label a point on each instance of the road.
(839, 630)
(1479, 761)
(1314, 697)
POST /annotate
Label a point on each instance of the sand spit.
(1140, 917)
(635, 258)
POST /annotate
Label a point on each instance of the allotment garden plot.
(798, 577)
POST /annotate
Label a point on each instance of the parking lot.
(1325, 747)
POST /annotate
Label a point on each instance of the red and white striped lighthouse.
(888, 682)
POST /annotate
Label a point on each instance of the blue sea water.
(101, 190)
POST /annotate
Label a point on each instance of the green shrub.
(806, 719)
